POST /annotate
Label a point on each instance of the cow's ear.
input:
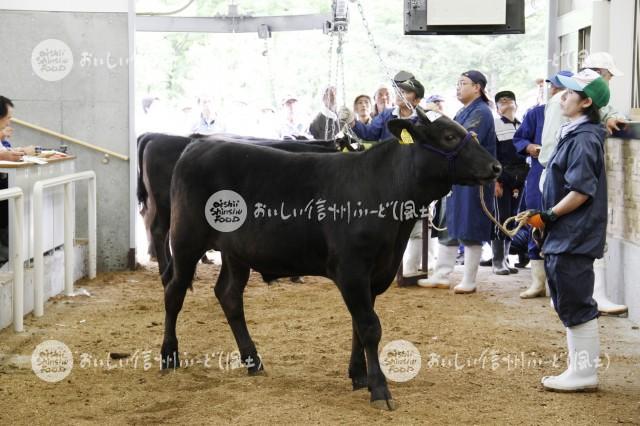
(402, 129)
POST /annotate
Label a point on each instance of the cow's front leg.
(357, 363)
(229, 289)
(356, 292)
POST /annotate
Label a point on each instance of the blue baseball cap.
(556, 81)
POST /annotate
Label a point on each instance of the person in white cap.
(603, 64)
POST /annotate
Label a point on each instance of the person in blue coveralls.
(510, 184)
(574, 219)
(466, 221)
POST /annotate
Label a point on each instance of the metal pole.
(38, 255)
(68, 239)
(18, 265)
(92, 226)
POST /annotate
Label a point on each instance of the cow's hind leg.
(229, 290)
(356, 292)
(184, 265)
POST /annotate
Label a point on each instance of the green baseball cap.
(589, 82)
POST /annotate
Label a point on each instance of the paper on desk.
(35, 160)
(25, 159)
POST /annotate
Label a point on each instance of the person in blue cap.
(436, 101)
(528, 142)
(574, 220)
(466, 222)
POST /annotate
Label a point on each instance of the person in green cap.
(574, 222)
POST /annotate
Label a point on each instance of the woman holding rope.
(574, 221)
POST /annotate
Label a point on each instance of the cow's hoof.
(359, 383)
(257, 369)
(170, 362)
(384, 404)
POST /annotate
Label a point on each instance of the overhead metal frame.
(232, 24)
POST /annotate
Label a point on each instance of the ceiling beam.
(234, 24)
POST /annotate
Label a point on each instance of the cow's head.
(444, 148)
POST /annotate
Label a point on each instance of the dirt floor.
(472, 349)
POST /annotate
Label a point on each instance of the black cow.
(361, 255)
(157, 156)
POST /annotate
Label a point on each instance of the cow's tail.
(167, 274)
(141, 190)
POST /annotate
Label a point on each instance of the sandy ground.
(472, 350)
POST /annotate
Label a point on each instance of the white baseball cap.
(602, 60)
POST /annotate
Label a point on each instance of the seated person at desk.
(6, 154)
(6, 114)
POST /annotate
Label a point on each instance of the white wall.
(66, 5)
(621, 14)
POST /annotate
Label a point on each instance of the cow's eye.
(450, 138)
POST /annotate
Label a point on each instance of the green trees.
(239, 66)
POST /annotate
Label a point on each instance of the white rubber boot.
(432, 254)
(472, 256)
(581, 375)
(412, 257)
(538, 280)
(605, 305)
(444, 267)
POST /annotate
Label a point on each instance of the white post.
(16, 253)
(91, 208)
(18, 265)
(38, 255)
(68, 239)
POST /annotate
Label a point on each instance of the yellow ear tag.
(405, 137)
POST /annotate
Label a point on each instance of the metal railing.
(15, 254)
(50, 132)
(38, 252)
